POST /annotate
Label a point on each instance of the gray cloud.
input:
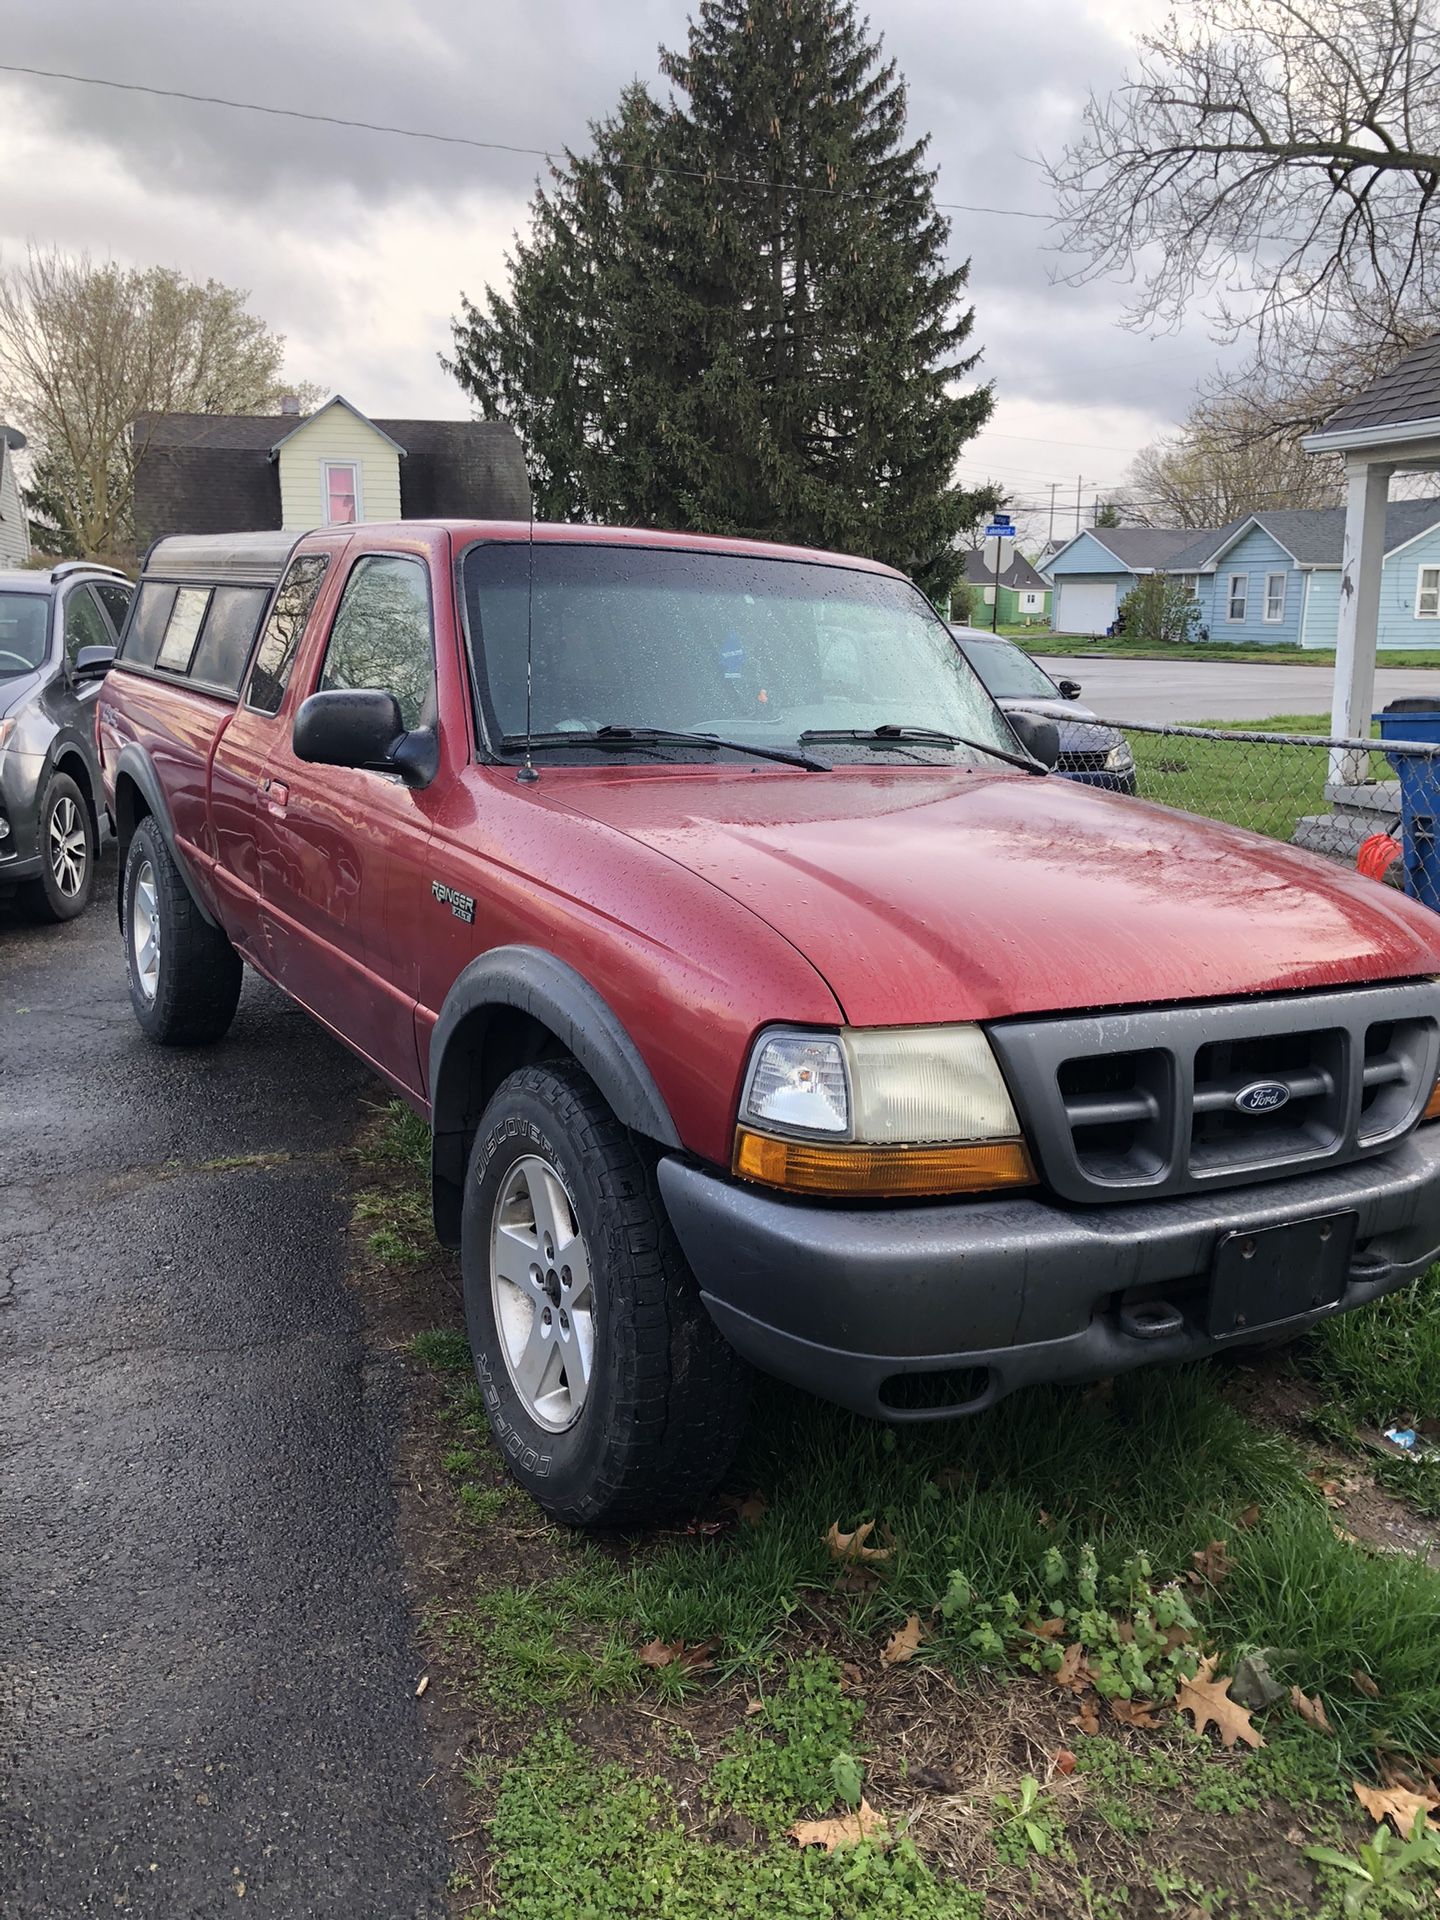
(160, 175)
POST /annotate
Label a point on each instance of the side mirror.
(1039, 737)
(1069, 689)
(362, 727)
(92, 663)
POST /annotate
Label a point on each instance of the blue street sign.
(1000, 530)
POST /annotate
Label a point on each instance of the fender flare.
(135, 764)
(535, 982)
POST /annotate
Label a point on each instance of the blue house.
(1273, 579)
(1093, 572)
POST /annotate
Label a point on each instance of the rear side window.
(203, 634)
(227, 637)
(116, 601)
(283, 630)
(153, 603)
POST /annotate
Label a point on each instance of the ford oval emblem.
(1263, 1096)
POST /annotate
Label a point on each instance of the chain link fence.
(1328, 794)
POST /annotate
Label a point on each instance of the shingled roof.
(1312, 536)
(212, 472)
(1410, 391)
(1019, 574)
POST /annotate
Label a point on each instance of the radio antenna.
(527, 773)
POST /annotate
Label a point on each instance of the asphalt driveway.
(207, 1671)
(1181, 690)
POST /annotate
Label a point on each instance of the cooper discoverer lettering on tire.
(184, 975)
(609, 1389)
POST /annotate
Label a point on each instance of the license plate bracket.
(1263, 1274)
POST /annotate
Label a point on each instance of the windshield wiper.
(623, 737)
(890, 734)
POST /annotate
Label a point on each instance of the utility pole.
(1053, 485)
(1079, 482)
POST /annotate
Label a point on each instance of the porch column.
(1367, 490)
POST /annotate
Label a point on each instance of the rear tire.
(612, 1393)
(184, 975)
(67, 854)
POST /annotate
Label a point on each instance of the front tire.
(67, 854)
(184, 975)
(610, 1391)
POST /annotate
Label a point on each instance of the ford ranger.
(770, 1004)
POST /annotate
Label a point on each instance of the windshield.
(24, 632)
(1007, 672)
(754, 649)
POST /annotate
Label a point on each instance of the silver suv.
(58, 633)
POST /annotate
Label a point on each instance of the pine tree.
(735, 313)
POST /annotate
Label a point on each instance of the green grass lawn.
(1040, 641)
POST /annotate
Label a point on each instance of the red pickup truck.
(770, 1003)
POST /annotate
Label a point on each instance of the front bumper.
(20, 801)
(992, 1294)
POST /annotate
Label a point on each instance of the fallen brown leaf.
(1206, 1700)
(666, 1653)
(851, 1546)
(752, 1509)
(1047, 1629)
(855, 1578)
(754, 1706)
(1250, 1517)
(846, 1831)
(1212, 1563)
(1327, 1484)
(1072, 1673)
(1397, 1805)
(1064, 1761)
(1088, 1718)
(1365, 1684)
(1045, 1518)
(933, 1780)
(903, 1644)
(1134, 1713)
(1311, 1710)
(850, 1677)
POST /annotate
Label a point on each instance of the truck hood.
(924, 895)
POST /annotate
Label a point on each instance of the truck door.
(345, 844)
(239, 821)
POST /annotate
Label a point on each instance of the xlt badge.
(462, 905)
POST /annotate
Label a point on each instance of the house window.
(1274, 597)
(1239, 596)
(342, 493)
(1427, 594)
(1191, 583)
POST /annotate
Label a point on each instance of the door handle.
(279, 795)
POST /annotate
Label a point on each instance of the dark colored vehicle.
(1094, 754)
(57, 638)
(768, 1001)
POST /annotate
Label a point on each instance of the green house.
(1024, 593)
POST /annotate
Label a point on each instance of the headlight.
(1120, 757)
(7, 727)
(882, 1110)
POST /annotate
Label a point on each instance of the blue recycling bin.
(1419, 795)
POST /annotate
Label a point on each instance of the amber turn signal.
(817, 1166)
(1432, 1105)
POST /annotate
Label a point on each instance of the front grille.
(1082, 762)
(1151, 1101)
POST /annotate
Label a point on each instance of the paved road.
(206, 1668)
(1179, 690)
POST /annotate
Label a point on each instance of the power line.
(465, 140)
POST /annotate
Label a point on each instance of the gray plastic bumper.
(1008, 1291)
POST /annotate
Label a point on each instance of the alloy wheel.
(543, 1297)
(68, 850)
(145, 930)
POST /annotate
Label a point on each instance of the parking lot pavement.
(1168, 691)
(207, 1674)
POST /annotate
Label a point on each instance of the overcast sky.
(357, 245)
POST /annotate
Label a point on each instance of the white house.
(14, 530)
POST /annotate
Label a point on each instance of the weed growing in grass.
(402, 1235)
(403, 1140)
(574, 1838)
(781, 1761)
(446, 1351)
(543, 1647)
(1383, 1874)
(1024, 1824)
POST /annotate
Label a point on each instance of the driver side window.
(383, 636)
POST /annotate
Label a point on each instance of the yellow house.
(337, 467)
